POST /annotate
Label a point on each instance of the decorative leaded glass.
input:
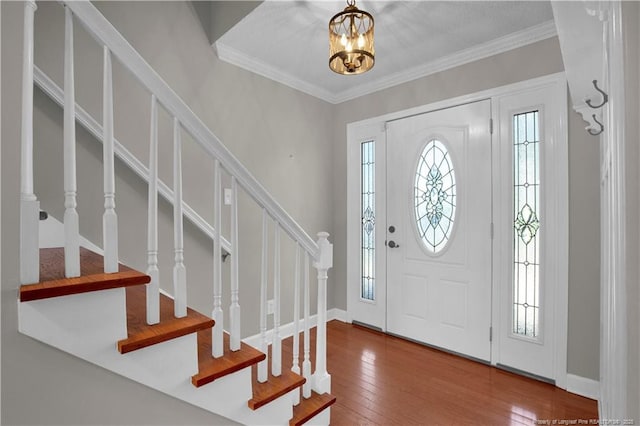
(435, 196)
(368, 216)
(526, 224)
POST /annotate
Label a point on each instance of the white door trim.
(375, 126)
(614, 378)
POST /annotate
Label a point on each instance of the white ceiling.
(287, 41)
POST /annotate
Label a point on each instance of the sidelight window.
(367, 209)
(526, 224)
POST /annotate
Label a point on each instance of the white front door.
(439, 228)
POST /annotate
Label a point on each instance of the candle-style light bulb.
(360, 41)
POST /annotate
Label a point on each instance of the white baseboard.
(287, 330)
(582, 386)
(337, 314)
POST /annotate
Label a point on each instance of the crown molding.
(503, 44)
(521, 38)
(240, 59)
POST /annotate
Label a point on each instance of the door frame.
(375, 129)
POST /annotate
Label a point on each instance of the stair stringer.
(89, 326)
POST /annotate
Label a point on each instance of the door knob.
(392, 244)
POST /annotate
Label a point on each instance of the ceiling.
(287, 41)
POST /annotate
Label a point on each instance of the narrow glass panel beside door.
(367, 209)
(526, 237)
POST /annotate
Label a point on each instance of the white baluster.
(217, 337)
(234, 309)
(306, 363)
(264, 346)
(29, 204)
(295, 366)
(153, 288)
(276, 346)
(109, 219)
(179, 270)
(322, 379)
(71, 225)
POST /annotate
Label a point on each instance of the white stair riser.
(321, 419)
(89, 326)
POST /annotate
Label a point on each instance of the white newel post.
(179, 270)
(322, 379)
(276, 345)
(217, 336)
(29, 204)
(234, 309)
(153, 288)
(295, 362)
(71, 221)
(109, 218)
(263, 371)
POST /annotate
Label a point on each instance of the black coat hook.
(605, 97)
(597, 132)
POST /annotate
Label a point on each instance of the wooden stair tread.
(140, 334)
(308, 408)
(92, 277)
(274, 387)
(210, 368)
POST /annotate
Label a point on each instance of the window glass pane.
(435, 196)
(368, 210)
(526, 229)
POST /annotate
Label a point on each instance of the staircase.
(97, 309)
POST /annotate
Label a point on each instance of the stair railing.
(319, 253)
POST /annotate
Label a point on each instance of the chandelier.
(351, 41)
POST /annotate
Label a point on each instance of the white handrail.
(97, 25)
(51, 89)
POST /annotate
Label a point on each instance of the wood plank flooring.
(384, 380)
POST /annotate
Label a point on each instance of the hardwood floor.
(384, 380)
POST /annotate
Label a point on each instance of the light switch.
(227, 196)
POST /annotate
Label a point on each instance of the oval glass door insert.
(435, 196)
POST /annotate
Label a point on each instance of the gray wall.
(531, 61)
(218, 17)
(280, 134)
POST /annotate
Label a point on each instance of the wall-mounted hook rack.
(597, 132)
(605, 97)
